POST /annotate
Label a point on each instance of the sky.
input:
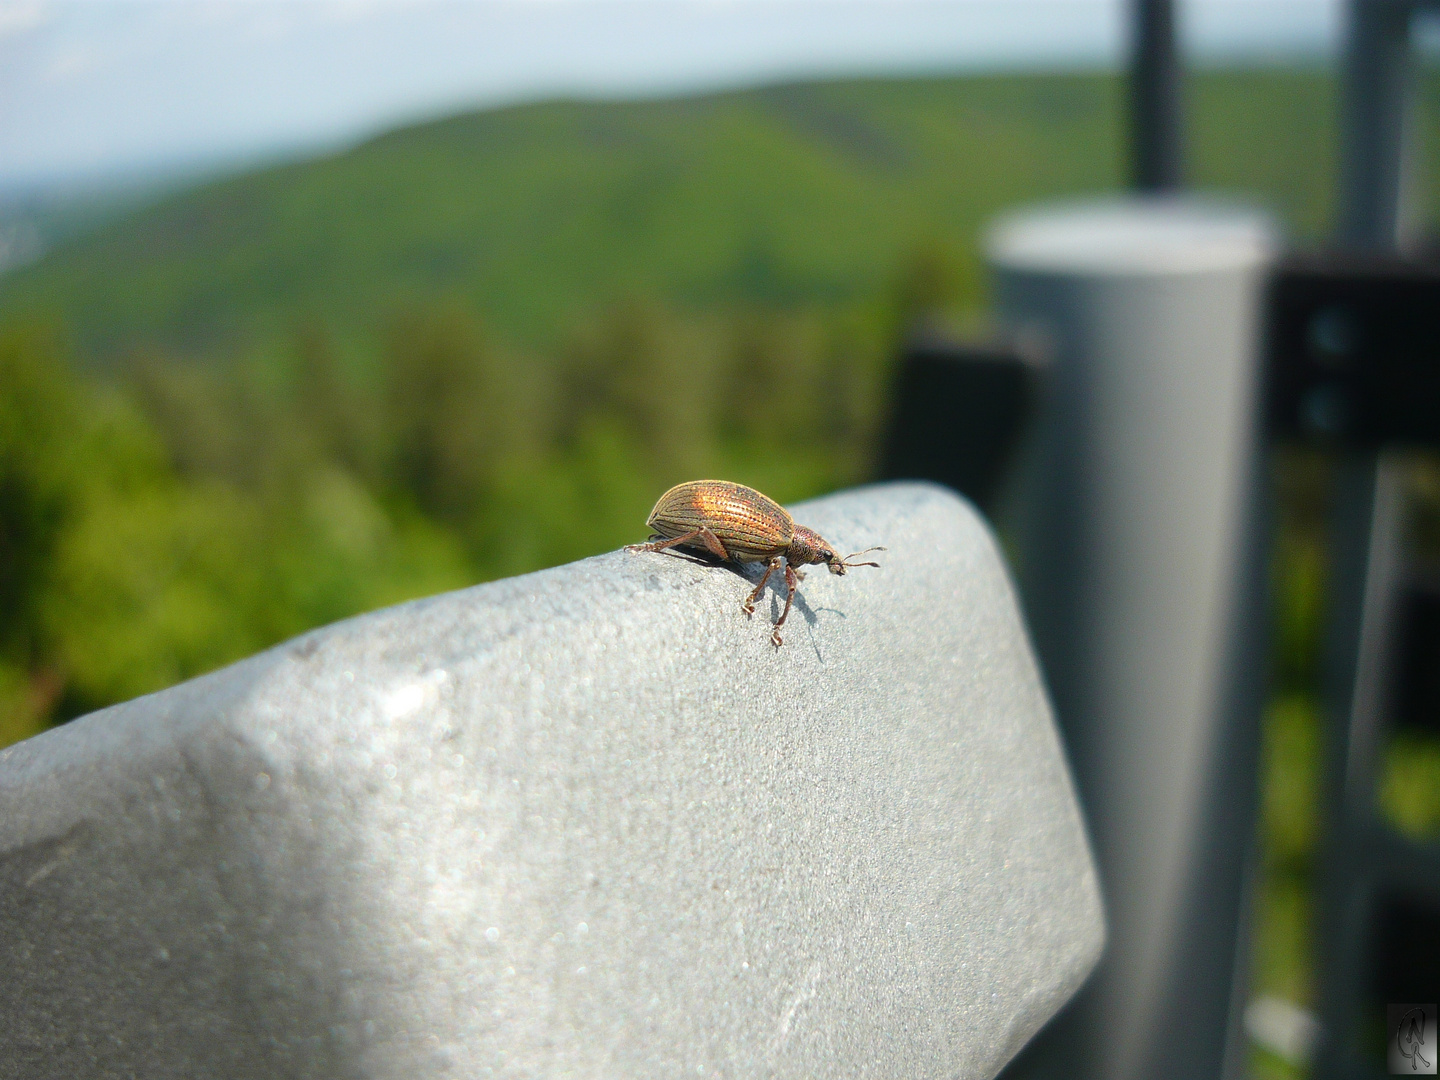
(102, 88)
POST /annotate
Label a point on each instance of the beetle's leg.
(749, 605)
(704, 535)
(713, 543)
(775, 638)
(661, 544)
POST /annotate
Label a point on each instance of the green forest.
(480, 346)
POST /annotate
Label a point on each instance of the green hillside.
(479, 346)
(537, 215)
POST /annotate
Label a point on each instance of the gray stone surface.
(584, 823)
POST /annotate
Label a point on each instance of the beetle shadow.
(704, 558)
(748, 572)
(751, 572)
(800, 606)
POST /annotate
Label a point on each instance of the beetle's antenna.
(846, 561)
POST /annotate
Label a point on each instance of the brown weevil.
(737, 523)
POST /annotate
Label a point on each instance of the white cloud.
(17, 16)
(68, 63)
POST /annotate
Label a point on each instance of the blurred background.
(313, 306)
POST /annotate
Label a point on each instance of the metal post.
(1367, 563)
(1155, 77)
(1141, 560)
(1368, 519)
(1376, 103)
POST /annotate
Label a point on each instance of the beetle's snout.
(836, 564)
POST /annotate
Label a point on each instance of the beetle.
(738, 524)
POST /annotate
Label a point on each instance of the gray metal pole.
(1366, 560)
(1376, 105)
(1155, 97)
(1141, 562)
(1368, 521)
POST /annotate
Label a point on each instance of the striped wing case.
(751, 526)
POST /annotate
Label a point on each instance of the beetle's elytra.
(738, 523)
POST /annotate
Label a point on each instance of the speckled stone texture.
(585, 823)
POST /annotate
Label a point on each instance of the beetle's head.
(808, 546)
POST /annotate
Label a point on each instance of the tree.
(447, 411)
